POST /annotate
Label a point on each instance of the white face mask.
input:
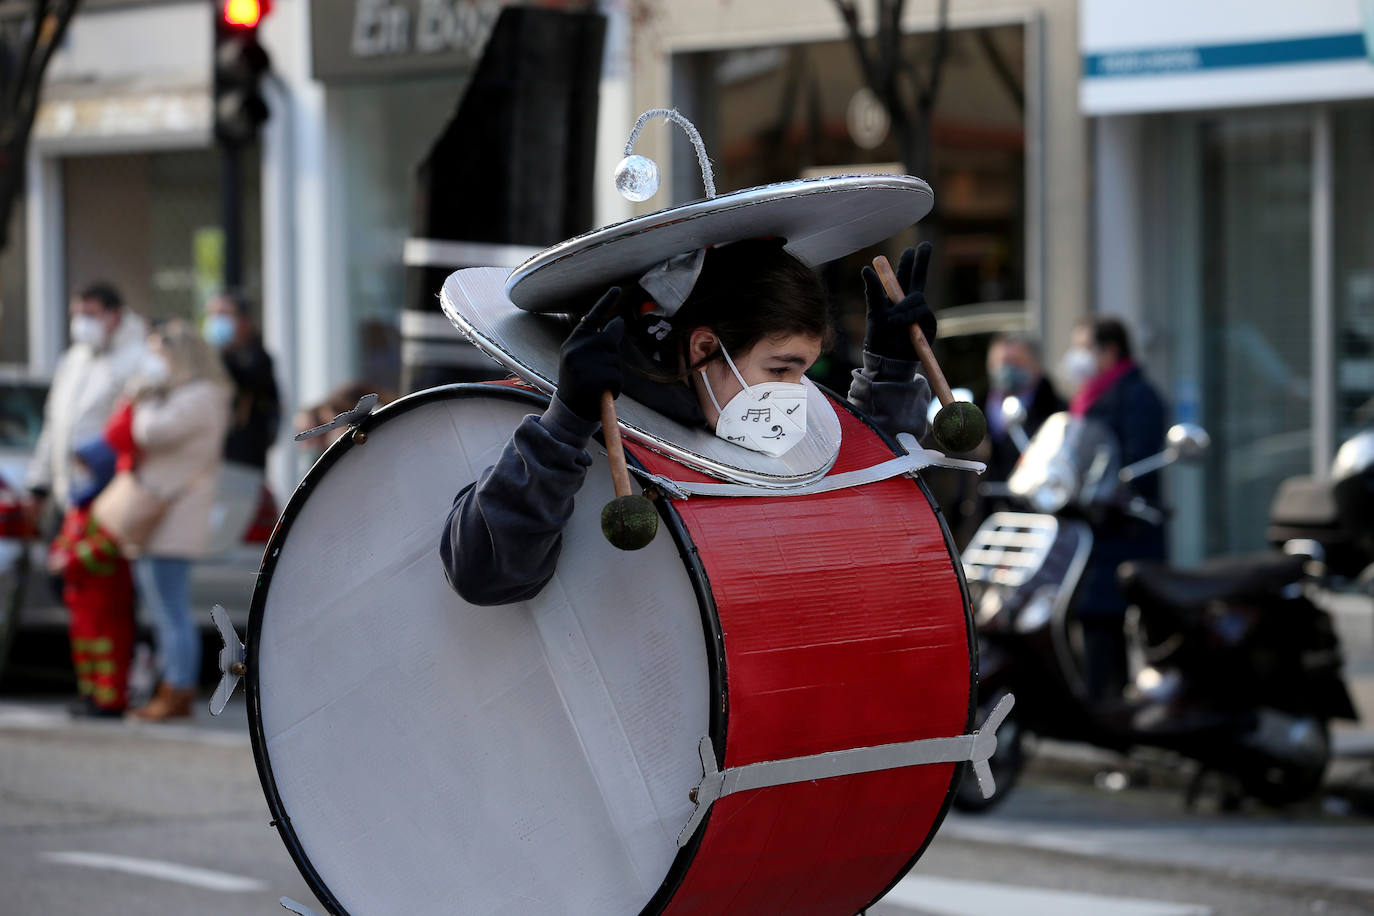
(769, 417)
(154, 368)
(88, 330)
(1078, 366)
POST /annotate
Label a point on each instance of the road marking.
(13, 716)
(47, 717)
(156, 868)
(1277, 852)
(948, 897)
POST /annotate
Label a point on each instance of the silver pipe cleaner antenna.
(636, 177)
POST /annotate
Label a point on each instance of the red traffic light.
(243, 14)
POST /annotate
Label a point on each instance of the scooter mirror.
(960, 394)
(1013, 411)
(1188, 441)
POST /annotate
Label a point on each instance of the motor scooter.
(1236, 668)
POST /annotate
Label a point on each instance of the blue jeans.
(164, 586)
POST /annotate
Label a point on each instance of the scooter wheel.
(1278, 786)
(1006, 764)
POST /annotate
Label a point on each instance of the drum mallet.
(960, 425)
(629, 521)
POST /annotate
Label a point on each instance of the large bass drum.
(422, 755)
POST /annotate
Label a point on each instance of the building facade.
(1202, 175)
(1233, 146)
(124, 179)
(778, 93)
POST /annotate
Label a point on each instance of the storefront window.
(1254, 263)
(150, 223)
(1352, 131)
(384, 131)
(779, 112)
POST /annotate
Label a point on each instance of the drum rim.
(696, 573)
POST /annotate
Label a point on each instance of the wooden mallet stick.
(629, 521)
(960, 425)
(615, 449)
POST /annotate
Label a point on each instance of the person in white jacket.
(107, 343)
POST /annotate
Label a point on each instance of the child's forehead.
(795, 347)
(790, 340)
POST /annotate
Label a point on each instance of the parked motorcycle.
(1241, 671)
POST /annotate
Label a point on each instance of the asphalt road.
(108, 818)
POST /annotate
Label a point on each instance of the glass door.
(1254, 206)
(1352, 268)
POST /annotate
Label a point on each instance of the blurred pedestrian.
(1015, 370)
(97, 589)
(1118, 395)
(107, 342)
(257, 406)
(180, 414)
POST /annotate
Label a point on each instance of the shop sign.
(1173, 55)
(352, 39)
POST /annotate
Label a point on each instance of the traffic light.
(239, 108)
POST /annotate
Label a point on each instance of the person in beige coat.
(181, 403)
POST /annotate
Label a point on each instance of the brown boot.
(168, 703)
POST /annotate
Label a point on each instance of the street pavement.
(110, 818)
(114, 818)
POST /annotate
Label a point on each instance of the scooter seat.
(1230, 578)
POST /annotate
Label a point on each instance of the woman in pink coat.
(181, 413)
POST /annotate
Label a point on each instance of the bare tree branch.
(1004, 72)
(57, 26)
(908, 98)
(931, 89)
(28, 49)
(850, 14)
(28, 32)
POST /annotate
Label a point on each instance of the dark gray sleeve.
(893, 392)
(503, 536)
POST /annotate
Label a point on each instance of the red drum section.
(844, 626)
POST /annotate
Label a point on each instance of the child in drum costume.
(755, 320)
(763, 712)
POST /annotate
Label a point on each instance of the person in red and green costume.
(97, 588)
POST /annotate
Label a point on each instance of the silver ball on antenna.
(636, 178)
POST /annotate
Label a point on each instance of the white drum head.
(428, 756)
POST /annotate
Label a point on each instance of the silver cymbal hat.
(820, 219)
(521, 325)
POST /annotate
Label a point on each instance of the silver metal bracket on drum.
(975, 748)
(300, 909)
(231, 664)
(350, 417)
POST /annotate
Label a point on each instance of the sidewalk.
(1349, 783)
(1351, 774)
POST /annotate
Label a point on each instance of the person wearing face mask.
(107, 342)
(1113, 390)
(1014, 370)
(736, 349)
(229, 329)
(174, 440)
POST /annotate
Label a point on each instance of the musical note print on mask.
(748, 418)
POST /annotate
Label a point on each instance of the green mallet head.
(960, 426)
(629, 522)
